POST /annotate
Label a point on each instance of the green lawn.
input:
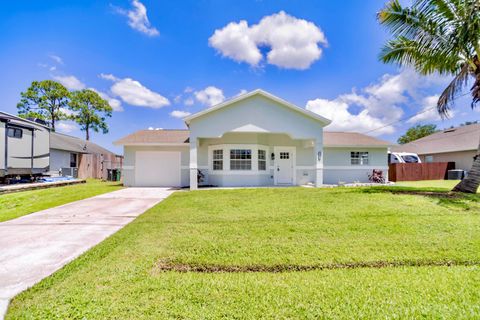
(425, 249)
(443, 184)
(14, 205)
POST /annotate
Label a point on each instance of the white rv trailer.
(24, 147)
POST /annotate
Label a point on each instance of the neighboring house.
(255, 139)
(24, 146)
(457, 145)
(72, 156)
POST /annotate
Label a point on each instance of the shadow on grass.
(444, 197)
(166, 265)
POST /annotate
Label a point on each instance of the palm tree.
(439, 36)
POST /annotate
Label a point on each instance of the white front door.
(284, 160)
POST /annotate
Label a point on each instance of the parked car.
(403, 157)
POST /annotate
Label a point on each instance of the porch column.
(318, 163)
(193, 164)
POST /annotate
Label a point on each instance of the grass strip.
(164, 266)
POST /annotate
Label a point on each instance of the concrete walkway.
(34, 246)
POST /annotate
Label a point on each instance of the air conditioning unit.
(456, 174)
(69, 172)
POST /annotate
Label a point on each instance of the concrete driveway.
(34, 246)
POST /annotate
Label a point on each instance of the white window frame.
(217, 159)
(262, 160)
(361, 159)
(226, 159)
(243, 159)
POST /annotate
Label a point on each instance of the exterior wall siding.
(338, 167)
(59, 159)
(463, 159)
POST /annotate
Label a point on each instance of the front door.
(284, 166)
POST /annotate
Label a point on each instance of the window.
(284, 155)
(262, 160)
(73, 160)
(240, 159)
(218, 159)
(359, 158)
(393, 158)
(428, 158)
(15, 133)
(410, 158)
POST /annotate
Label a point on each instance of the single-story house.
(457, 145)
(72, 156)
(255, 139)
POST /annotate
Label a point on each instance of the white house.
(255, 139)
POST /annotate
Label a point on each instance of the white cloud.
(380, 103)
(114, 103)
(56, 58)
(429, 111)
(293, 43)
(179, 114)
(65, 127)
(68, 112)
(70, 82)
(210, 96)
(242, 91)
(189, 102)
(108, 76)
(134, 93)
(343, 120)
(177, 98)
(138, 19)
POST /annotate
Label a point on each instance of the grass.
(441, 184)
(123, 277)
(14, 205)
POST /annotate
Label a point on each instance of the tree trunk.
(87, 134)
(472, 181)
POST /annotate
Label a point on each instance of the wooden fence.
(96, 165)
(419, 171)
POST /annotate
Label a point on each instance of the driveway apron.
(34, 246)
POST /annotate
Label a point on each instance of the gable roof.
(65, 142)
(262, 93)
(351, 139)
(462, 138)
(146, 137)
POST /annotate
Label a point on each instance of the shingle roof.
(348, 139)
(181, 136)
(155, 137)
(450, 140)
(65, 142)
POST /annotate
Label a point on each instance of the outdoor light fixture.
(319, 155)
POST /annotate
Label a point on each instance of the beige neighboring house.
(255, 139)
(457, 145)
(72, 156)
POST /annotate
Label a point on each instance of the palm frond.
(447, 98)
(405, 51)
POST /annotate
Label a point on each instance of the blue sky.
(182, 56)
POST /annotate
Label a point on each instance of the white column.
(193, 163)
(318, 163)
